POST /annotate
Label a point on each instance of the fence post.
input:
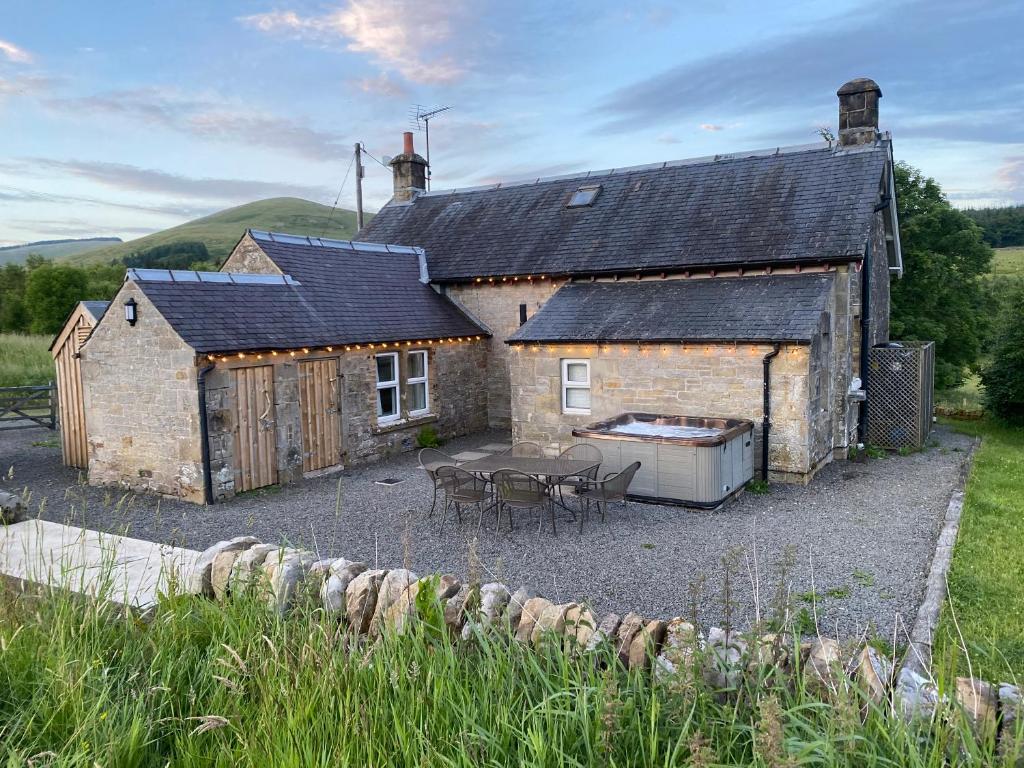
(53, 405)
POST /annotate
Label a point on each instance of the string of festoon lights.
(375, 347)
(645, 348)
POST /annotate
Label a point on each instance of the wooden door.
(320, 408)
(255, 433)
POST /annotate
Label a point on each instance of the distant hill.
(52, 249)
(220, 231)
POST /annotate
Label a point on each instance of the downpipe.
(204, 435)
(766, 361)
(865, 343)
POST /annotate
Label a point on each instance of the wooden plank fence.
(25, 407)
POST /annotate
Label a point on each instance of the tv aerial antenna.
(419, 118)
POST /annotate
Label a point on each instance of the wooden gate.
(255, 433)
(320, 406)
(65, 350)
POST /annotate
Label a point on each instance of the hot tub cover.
(758, 309)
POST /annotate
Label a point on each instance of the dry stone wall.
(371, 602)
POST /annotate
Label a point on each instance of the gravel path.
(861, 535)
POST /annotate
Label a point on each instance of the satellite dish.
(386, 159)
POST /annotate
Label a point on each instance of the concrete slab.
(495, 447)
(469, 455)
(130, 572)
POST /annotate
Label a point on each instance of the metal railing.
(25, 407)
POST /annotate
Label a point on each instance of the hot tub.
(687, 460)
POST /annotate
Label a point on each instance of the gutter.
(767, 408)
(204, 435)
(865, 343)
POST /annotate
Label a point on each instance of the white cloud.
(381, 85)
(404, 36)
(13, 53)
(712, 127)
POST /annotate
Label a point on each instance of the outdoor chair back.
(612, 488)
(462, 487)
(582, 452)
(526, 449)
(518, 490)
(430, 459)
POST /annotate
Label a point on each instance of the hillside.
(220, 231)
(1008, 262)
(53, 249)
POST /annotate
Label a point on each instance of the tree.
(1003, 378)
(941, 296)
(51, 292)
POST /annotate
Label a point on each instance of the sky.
(123, 118)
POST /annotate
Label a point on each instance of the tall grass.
(210, 685)
(24, 360)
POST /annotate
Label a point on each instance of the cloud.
(1011, 176)
(381, 85)
(409, 37)
(668, 138)
(177, 210)
(906, 48)
(73, 228)
(711, 127)
(146, 180)
(209, 118)
(11, 52)
(24, 84)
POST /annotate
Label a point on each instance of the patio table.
(554, 470)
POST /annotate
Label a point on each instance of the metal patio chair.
(432, 457)
(612, 488)
(580, 452)
(462, 488)
(518, 490)
(525, 449)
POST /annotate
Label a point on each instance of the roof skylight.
(584, 196)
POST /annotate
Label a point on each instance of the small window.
(575, 386)
(417, 389)
(584, 196)
(387, 386)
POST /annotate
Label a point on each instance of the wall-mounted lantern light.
(131, 311)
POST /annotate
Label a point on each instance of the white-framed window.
(575, 386)
(417, 387)
(388, 407)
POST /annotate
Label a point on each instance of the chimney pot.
(858, 112)
(407, 143)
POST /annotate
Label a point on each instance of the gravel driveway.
(861, 535)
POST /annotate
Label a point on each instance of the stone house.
(300, 355)
(744, 286)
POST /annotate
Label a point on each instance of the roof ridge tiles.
(590, 174)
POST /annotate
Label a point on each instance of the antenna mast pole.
(359, 186)
(421, 115)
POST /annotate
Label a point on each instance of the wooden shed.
(65, 350)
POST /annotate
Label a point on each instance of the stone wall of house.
(457, 376)
(722, 381)
(496, 306)
(249, 257)
(141, 403)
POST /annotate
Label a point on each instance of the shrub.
(427, 437)
(1003, 377)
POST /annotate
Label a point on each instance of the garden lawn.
(986, 580)
(24, 360)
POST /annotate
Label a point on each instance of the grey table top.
(549, 467)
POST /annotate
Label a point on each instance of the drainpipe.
(865, 343)
(204, 435)
(766, 421)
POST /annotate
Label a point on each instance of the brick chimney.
(858, 112)
(410, 172)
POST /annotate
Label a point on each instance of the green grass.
(1008, 262)
(24, 360)
(52, 249)
(986, 579)
(206, 685)
(220, 231)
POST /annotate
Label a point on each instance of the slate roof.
(96, 308)
(334, 296)
(760, 309)
(793, 205)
